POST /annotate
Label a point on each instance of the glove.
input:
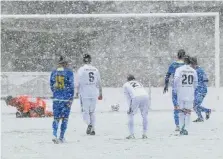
(129, 111)
(69, 103)
(100, 97)
(176, 107)
(76, 96)
(165, 89)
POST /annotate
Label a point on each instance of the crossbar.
(128, 15)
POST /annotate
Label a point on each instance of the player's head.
(180, 54)
(87, 58)
(8, 100)
(193, 62)
(187, 60)
(62, 62)
(130, 77)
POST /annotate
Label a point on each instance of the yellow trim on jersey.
(180, 61)
(60, 69)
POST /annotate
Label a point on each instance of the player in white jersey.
(89, 90)
(185, 83)
(137, 97)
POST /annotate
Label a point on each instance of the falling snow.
(144, 46)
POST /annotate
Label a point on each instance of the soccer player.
(137, 98)
(62, 86)
(200, 92)
(171, 72)
(185, 83)
(88, 87)
(28, 106)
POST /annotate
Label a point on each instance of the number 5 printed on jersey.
(60, 82)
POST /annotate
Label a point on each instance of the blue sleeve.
(71, 84)
(52, 81)
(168, 74)
(174, 94)
(205, 79)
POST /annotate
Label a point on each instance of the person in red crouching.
(28, 107)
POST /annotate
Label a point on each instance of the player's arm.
(205, 78)
(77, 83)
(99, 86)
(175, 87)
(195, 79)
(52, 81)
(70, 89)
(126, 94)
(167, 77)
(71, 84)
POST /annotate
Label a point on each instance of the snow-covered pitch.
(31, 138)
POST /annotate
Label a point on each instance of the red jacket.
(25, 103)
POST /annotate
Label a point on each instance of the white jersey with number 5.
(185, 83)
(88, 81)
(134, 89)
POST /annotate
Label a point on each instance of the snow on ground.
(31, 138)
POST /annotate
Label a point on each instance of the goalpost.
(215, 15)
(128, 15)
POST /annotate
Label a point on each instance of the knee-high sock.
(198, 112)
(187, 121)
(203, 109)
(131, 124)
(55, 126)
(176, 112)
(92, 120)
(63, 128)
(181, 120)
(86, 117)
(145, 123)
(176, 117)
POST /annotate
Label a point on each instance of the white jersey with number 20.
(88, 81)
(185, 83)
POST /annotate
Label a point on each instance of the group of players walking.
(89, 90)
(189, 88)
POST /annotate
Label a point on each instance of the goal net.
(142, 44)
(25, 83)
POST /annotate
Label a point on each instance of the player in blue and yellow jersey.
(200, 92)
(171, 71)
(62, 86)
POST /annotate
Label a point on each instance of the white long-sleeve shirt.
(88, 81)
(185, 83)
(133, 89)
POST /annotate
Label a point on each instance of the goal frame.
(128, 15)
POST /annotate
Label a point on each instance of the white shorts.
(141, 102)
(185, 104)
(88, 105)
